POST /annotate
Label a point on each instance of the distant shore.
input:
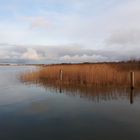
(82, 63)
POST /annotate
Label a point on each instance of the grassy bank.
(100, 74)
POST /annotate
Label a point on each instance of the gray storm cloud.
(65, 54)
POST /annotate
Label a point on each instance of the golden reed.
(100, 74)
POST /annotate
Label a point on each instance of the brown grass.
(103, 74)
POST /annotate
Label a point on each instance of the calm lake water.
(42, 111)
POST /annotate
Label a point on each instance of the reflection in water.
(131, 96)
(45, 110)
(36, 108)
(96, 94)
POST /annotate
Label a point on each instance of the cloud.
(104, 32)
(125, 37)
(83, 58)
(31, 54)
(62, 54)
(37, 22)
(19, 54)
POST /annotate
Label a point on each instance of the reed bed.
(102, 74)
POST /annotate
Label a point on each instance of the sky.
(69, 31)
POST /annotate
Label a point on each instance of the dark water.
(44, 111)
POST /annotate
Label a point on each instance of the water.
(45, 111)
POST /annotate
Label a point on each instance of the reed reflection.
(97, 94)
(131, 96)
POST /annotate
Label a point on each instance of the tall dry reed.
(105, 74)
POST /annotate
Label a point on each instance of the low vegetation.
(99, 74)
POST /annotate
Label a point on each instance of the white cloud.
(83, 58)
(31, 54)
(37, 22)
